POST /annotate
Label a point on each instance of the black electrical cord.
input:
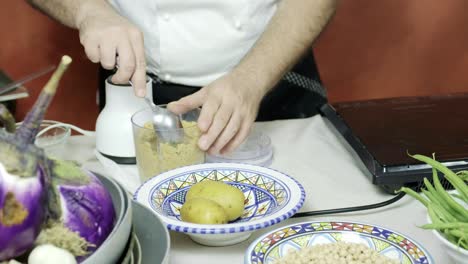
(350, 209)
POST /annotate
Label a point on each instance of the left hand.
(229, 107)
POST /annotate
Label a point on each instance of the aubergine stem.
(28, 130)
(7, 120)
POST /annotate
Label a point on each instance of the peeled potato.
(229, 197)
(203, 211)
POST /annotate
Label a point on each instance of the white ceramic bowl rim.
(260, 238)
(450, 244)
(294, 188)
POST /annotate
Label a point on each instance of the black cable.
(350, 209)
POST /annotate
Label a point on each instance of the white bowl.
(456, 253)
(270, 197)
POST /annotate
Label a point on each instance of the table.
(311, 151)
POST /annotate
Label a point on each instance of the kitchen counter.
(312, 152)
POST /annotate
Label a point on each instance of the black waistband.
(304, 75)
(296, 95)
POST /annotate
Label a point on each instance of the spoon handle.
(148, 101)
(151, 104)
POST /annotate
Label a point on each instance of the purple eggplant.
(22, 201)
(44, 200)
(79, 202)
(23, 176)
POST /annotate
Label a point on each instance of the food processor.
(114, 136)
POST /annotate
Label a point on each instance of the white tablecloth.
(310, 151)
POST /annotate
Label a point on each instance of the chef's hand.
(229, 108)
(108, 35)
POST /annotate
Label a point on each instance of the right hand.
(106, 36)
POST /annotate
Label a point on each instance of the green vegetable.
(415, 195)
(438, 207)
(463, 175)
(446, 225)
(458, 209)
(447, 215)
(451, 176)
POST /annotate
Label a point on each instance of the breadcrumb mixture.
(154, 157)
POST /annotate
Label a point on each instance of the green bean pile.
(447, 215)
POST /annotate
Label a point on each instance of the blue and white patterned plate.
(270, 197)
(276, 244)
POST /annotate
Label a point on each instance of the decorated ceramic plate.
(270, 197)
(274, 245)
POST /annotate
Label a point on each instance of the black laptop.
(383, 131)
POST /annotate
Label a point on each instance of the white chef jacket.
(194, 42)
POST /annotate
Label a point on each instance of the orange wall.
(371, 49)
(30, 42)
(388, 48)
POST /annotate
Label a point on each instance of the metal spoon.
(166, 124)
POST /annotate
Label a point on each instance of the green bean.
(457, 233)
(453, 178)
(460, 237)
(446, 225)
(415, 195)
(463, 244)
(433, 215)
(456, 195)
(463, 175)
(434, 171)
(432, 192)
(443, 213)
(431, 197)
(450, 237)
(437, 220)
(440, 205)
(453, 236)
(458, 208)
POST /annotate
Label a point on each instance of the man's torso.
(194, 42)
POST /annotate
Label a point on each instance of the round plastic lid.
(256, 150)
